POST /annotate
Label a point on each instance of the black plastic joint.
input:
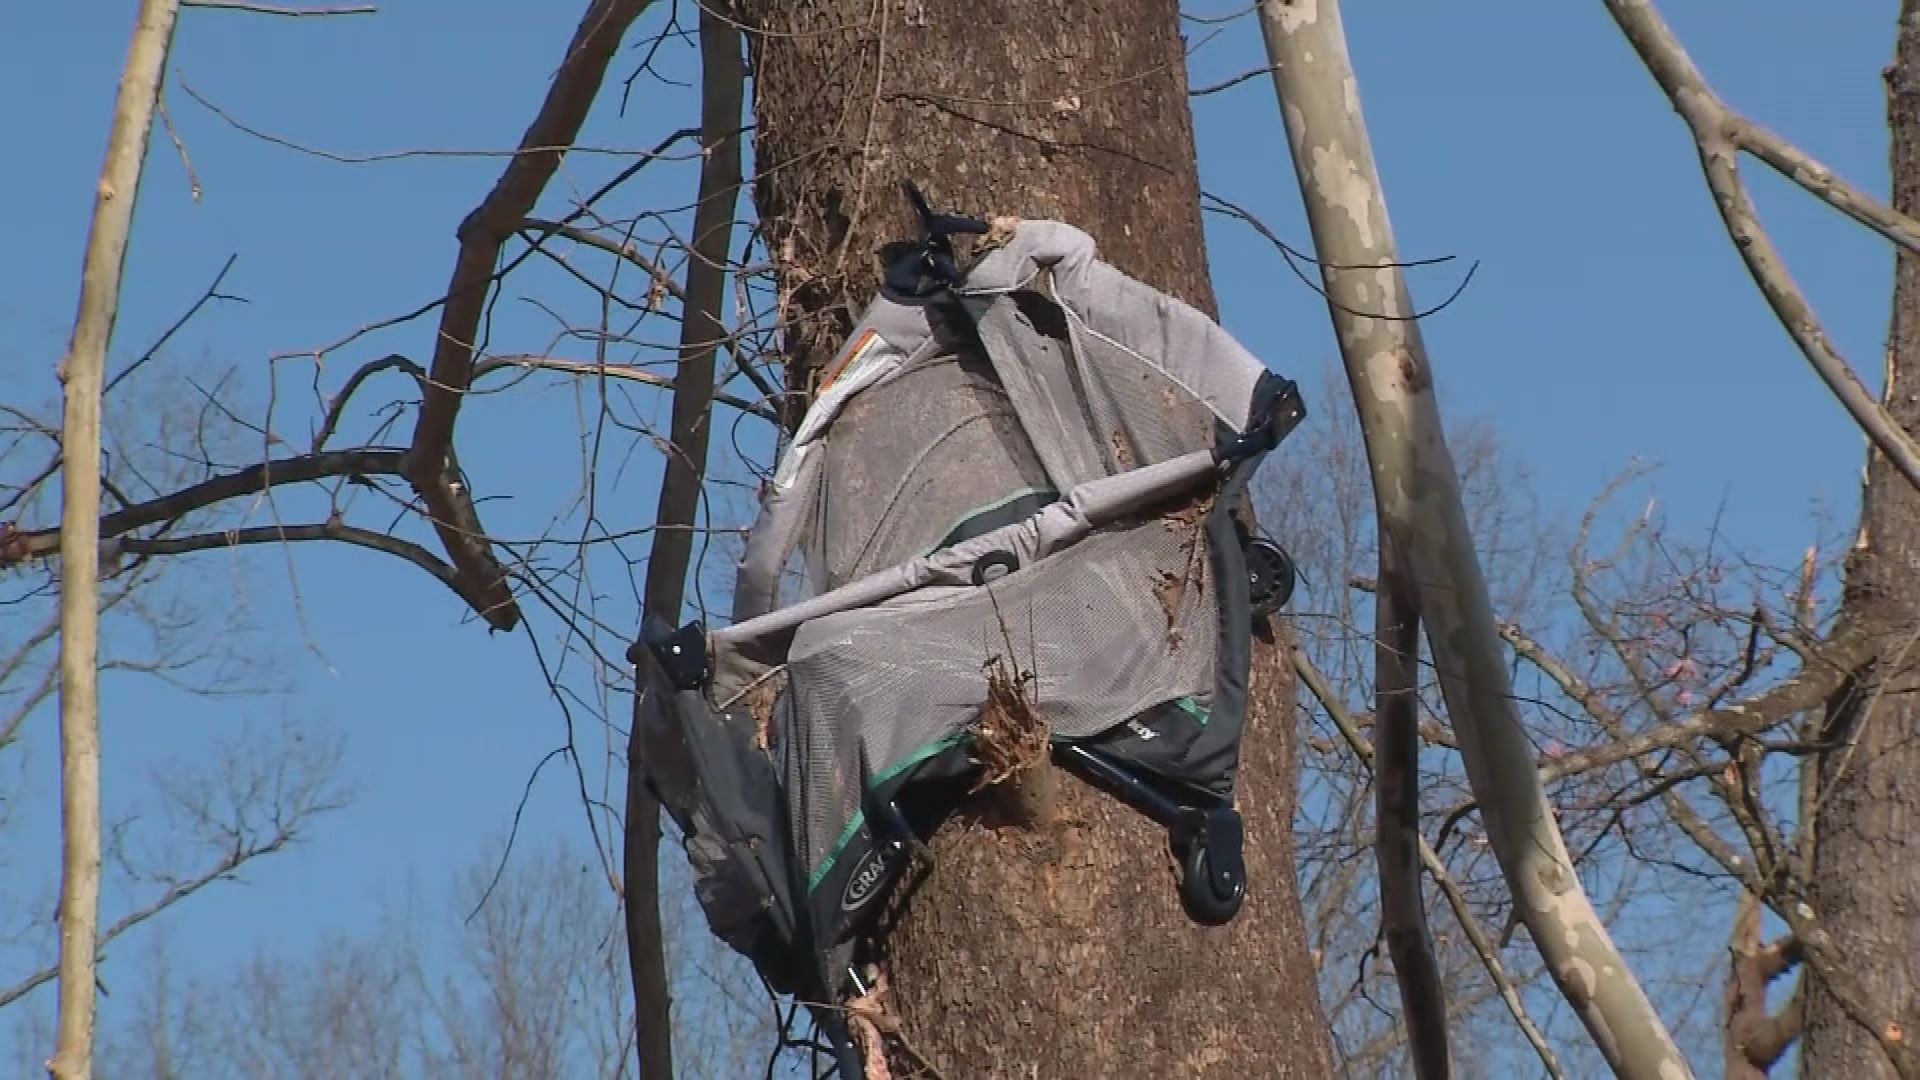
(683, 656)
(1285, 412)
(929, 267)
(1226, 844)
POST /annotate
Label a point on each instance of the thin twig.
(277, 9)
(1456, 899)
(172, 895)
(669, 561)
(367, 461)
(287, 534)
(627, 374)
(180, 147)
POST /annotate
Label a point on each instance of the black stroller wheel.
(1211, 894)
(1271, 575)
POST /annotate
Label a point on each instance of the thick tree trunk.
(1064, 952)
(1866, 887)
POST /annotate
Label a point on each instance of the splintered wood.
(1009, 736)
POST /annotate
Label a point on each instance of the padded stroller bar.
(1086, 508)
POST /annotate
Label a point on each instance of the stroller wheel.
(1270, 577)
(1211, 893)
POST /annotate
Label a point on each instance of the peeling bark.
(1056, 952)
(1422, 520)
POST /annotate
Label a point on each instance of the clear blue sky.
(1609, 320)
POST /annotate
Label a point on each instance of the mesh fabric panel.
(1140, 415)
(908, 459)
(1091, 624)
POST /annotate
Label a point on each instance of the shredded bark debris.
(760, 701)
(1009, 736)
(1171, 589)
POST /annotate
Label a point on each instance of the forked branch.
(1720, 134)
(432, 468)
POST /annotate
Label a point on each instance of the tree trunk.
(1060, 952)
(1866, 881)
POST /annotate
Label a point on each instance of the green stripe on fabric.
(989, 508)
(931, 750)
(1192, 708)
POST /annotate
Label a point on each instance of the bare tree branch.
(1719, 135)
(1483, 946)
(171, 896)
(657, 276)
(431, 467)
(1396, 742)
(701, 332)
(277, 9)
(251, 480)
(84, 374)
(1419, 508)
(625, 374)
(286, 534)
(1850, 645)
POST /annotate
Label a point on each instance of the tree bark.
(82, 372)
(1054, 952)
(1426, 547)
(1866, 881)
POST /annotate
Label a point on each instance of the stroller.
(1034, 466)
